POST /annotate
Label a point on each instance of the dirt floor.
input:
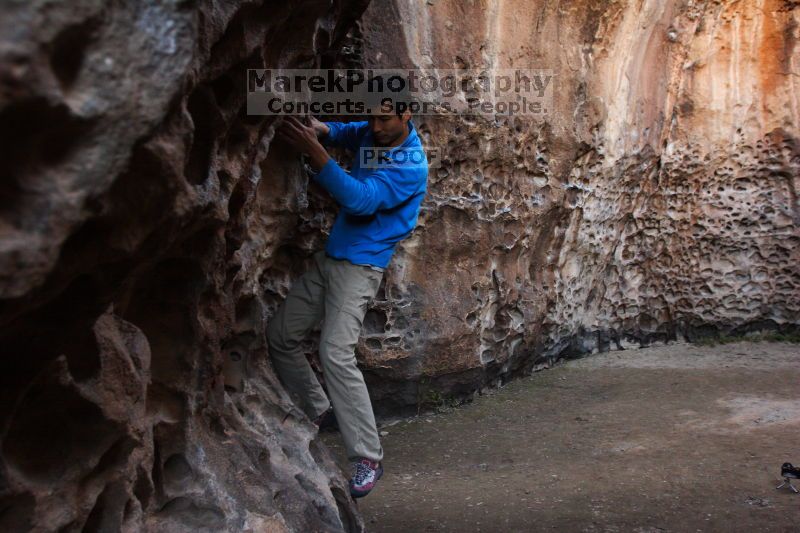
(674, 438)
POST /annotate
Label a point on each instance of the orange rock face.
(657, 202)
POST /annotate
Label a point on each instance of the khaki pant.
(337, 292)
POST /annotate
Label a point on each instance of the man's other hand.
(303, 138)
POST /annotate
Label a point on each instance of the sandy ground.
(674, 438)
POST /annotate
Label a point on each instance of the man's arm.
(344, 134)
(383, 189)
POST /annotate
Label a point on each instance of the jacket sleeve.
(344, 134)
(382, 189)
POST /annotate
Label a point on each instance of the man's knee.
(280, 338)
(338, 351)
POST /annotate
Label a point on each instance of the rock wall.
(657, 202)
(147, 230)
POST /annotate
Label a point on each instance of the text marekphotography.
(505, 92)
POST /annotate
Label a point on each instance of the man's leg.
(349, 290)
(295, 317)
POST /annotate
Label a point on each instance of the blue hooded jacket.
(379, 206)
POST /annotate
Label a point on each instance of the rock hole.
(156, 473)
(177, 472)
(237, 140)
(264, 461)
(143, 488)
(116, 457)
(69, 50)
(237, 200)
(223, 87)
(375, 321)
(202, 109)
(247, 118)
(225, 179)
(131, 507)
(164, 404)
(289, 452)
(55, 430)
(34, 134)
(16, 512)
(162, 305)
(193, 515)
(106, 515)
(322, 40)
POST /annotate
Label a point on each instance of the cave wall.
(148, 229)
(658, 201)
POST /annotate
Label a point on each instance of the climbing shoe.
(367, 473)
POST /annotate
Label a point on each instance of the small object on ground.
(789, 472)
(757, 502)
(234, 368)
(367, 473)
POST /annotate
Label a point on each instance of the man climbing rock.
(379, 204)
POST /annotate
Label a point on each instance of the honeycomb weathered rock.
(657, 201)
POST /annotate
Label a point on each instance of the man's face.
(387, 128)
